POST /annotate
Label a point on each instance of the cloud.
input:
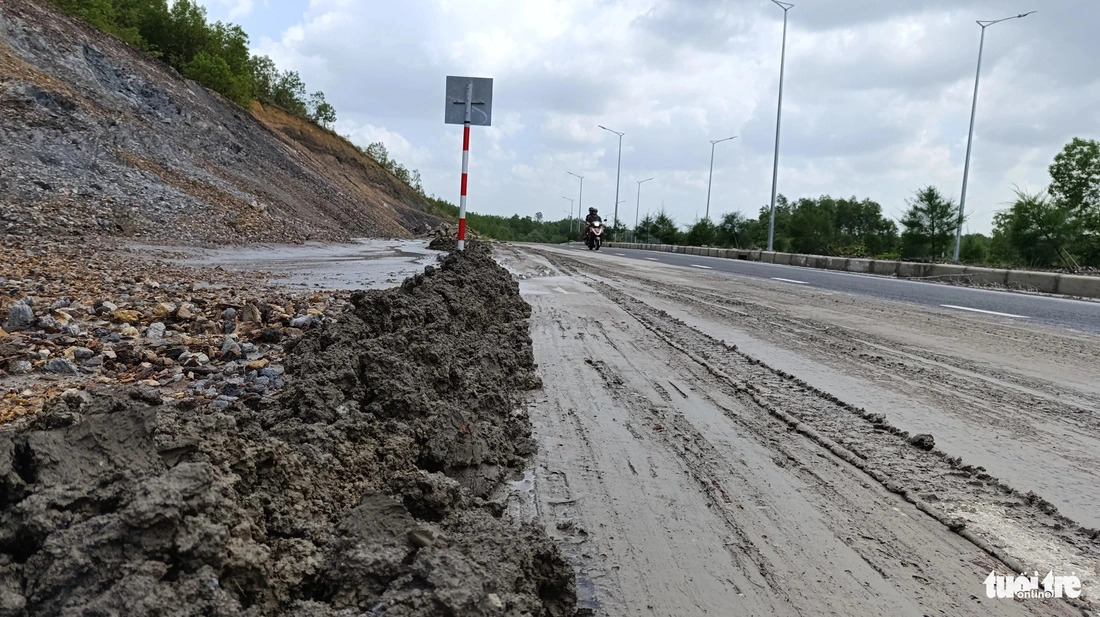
(876, 95)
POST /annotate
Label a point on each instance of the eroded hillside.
(100, 138)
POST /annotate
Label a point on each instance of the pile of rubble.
(71, 317)
(364, 489)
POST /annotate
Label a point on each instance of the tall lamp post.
(970, 136)
(637, 205)
(570, 213)
(580, 194)
(618, 168)
(713, 142)
(778, 114)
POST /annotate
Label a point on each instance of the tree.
(929, 224)
(1075, 188)
(321, 111)
(644, 230)
(214, 73)
(735, 230)
(1036, 230)
(378, 152)
(665, 229)
(701, 233)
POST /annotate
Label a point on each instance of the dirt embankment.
(100, 138)
(361, 489)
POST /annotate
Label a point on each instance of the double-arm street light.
(570, 213)
(713, 142)
(618, 168)
(970, 136)
(580, 195)
(637, 204)
(779, 112)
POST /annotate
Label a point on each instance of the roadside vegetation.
(1058, 227)
(214, 54)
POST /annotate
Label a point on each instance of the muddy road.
(713, 445)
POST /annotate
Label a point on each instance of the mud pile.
(360, 491)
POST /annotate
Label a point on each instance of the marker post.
(473, 94)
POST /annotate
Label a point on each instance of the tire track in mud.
(884, 359)
(1021, 530)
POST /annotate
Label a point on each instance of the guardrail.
(1027, 280)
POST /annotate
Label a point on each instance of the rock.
(49, 324)
(260, 364)
(61, 366)
(156, 331)
(305, 321)
(126, 316)
(231, 350)
(3, 334)
(20, 317)
(129, 332)
(229, 314)
(250, 313)
(82, 353)
(71, 330)
(19, 367)
(270, 335)
(184, 314)
(163, 309)
(924, 441)
(104, 307)
(248, 348)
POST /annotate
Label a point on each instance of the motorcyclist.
(593, 216)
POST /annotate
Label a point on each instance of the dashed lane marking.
(776, 278)
(967, 308)
(703, 267)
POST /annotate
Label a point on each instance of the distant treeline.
(1058, 227)
(214, 54)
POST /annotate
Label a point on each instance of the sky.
(876, 96)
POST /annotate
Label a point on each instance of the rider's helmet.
(592, 210)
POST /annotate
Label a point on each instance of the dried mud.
(360, 491)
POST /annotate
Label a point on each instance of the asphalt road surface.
(1080, 315)
(717, 442)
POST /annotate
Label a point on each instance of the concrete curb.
(1024, 280)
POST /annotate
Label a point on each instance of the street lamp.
(570, 214)
(711, 177)
(580, 195)
(970, 137)
(636, 206)
(778, 113)
(618, 168)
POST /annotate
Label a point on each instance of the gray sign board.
(481, 109)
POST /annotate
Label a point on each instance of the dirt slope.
(101, 138)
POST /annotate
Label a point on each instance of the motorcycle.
(593, 236)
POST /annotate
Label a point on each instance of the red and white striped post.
(465, 168)
(461, 91)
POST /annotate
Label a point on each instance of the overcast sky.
(876, 95)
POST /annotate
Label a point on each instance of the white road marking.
(966, 308)
(621, 254)
(561, 291)
(652, 259)
(703, 267)
(775, 278)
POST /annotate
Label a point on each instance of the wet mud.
(364, 489)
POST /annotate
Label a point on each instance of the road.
(1081, 315)
(717, 443)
